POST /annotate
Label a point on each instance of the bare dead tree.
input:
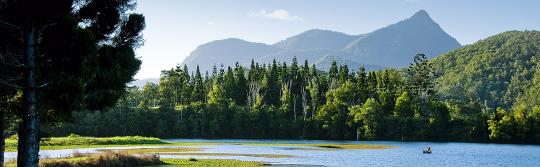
(333, 84)
(304, 102)
(253, 92)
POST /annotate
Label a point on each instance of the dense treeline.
(298, 101)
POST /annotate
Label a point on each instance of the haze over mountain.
(141, 82)
(317, 39)
(227, 52)
(391, 46)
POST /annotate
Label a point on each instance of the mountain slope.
(392, 46)
(396, 44)
(497, 70)
(227, 52)
(139, 83)
(316, 39)
(325, 63)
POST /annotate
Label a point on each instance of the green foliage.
(280, 101)
(404, 107)
(73, 139)
(421, 82)
(499, 70)
(271, 85)
(501, 126)
(211, 162)
(370, 116)
(439, 120)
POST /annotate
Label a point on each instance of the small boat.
(427, 150)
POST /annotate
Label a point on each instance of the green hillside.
(501, 71)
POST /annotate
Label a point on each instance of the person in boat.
(427, 150)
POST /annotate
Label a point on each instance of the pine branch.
(4, 82)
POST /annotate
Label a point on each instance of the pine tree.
(252, 73)
(333, 76)
(421, 82)
(271, 84)
(185, 88)
(284, 75)
(343, 73)
(386, 93)
(167, 89)
(362, 85)
(198, 93)
(229, 84)
(372, 85)
(241, 85)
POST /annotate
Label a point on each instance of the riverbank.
(76, 141)
(110, 159)
(312, 152)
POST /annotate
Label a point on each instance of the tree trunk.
(28, 149)
(3, 123)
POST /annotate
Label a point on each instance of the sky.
(174, 28)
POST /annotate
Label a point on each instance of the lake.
(404, 154)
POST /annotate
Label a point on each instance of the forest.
(296, 101)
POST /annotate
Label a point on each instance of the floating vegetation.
(233, 154)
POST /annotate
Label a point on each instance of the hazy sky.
(176, 27)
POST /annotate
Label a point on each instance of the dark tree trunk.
(28, 149)
(3, 123)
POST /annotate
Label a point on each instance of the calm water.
(406, 153)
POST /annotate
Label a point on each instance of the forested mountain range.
(391, 46)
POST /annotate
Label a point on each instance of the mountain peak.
(421, 14)
(416, 34)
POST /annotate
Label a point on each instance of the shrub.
(108, 159)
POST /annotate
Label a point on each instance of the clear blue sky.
(177, 27)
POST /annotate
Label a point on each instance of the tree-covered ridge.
(501, 70)
(278, 100)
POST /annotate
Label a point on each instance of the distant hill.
(325, 63)
(317, 39)
(227, 52)
(391, 46)
(141, 82)
(502, 70)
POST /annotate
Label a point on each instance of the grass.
(154, 150)
(185, 151)
(49, 160)
(75, 141)
(112, 159)
(209, 162)
(108, 159)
